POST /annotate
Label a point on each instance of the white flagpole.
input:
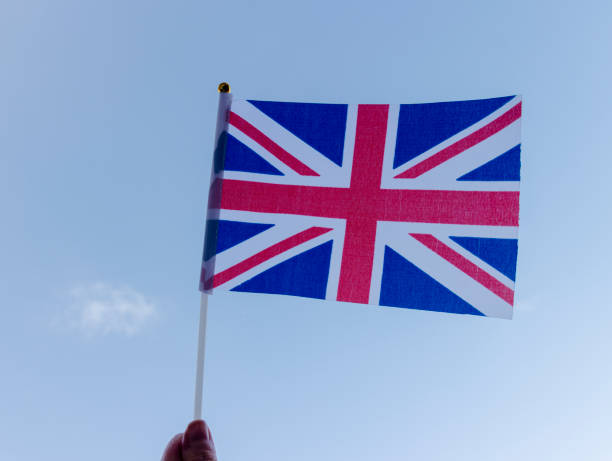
(222, 118)
(197, 413)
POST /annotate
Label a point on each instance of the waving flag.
(409, 205)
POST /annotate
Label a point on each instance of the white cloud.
(99, 308)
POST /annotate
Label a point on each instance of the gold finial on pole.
(223, 87)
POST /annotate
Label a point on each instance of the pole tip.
(223, 87)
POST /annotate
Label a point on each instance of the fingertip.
(197, 443)
(196, 430)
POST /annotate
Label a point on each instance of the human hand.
(195, 444)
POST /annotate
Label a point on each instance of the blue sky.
(106, 139)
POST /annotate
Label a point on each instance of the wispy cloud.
(99, 309)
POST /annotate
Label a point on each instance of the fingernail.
(197, 430)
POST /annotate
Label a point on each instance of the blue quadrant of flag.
(226, 234)
(302, 275)
(506, 167)
(322, 126)
(422, 126)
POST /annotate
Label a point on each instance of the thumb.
(197, 443)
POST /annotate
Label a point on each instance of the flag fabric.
(406, 205)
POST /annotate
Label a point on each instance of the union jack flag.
(408, 205)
